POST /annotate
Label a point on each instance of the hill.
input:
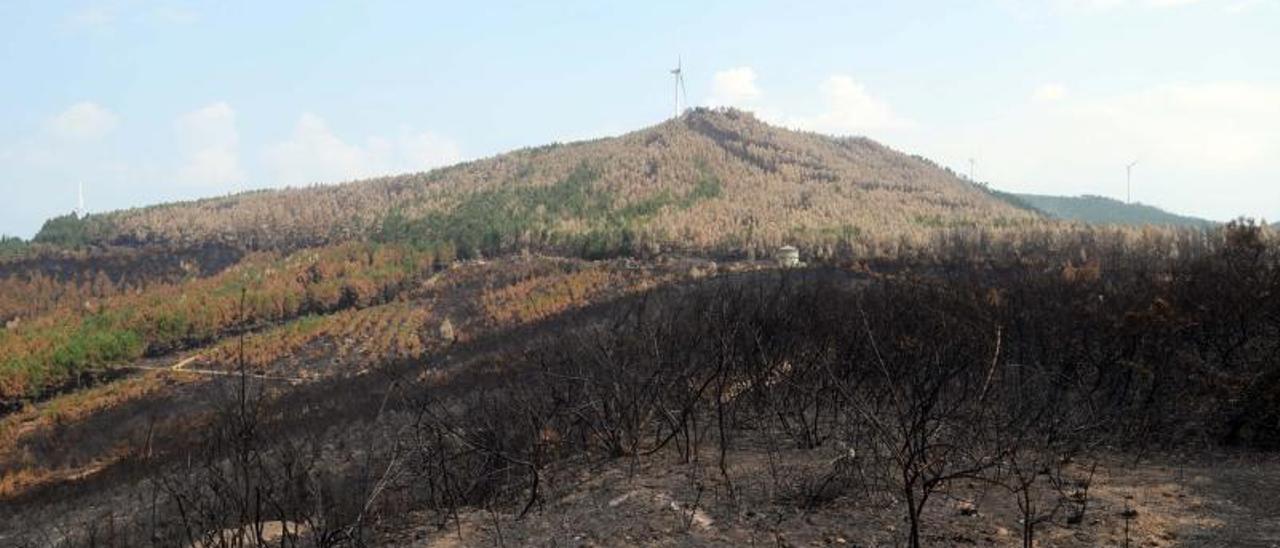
(316, 366)
(716, 180)
(1102, 210)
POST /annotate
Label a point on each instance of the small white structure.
(788, 257)
(79, 211)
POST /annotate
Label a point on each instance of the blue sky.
(144, 102)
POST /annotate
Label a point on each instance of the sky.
(151, 101)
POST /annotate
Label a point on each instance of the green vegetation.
(1102, 210)
(1013, 199)
(42, 354)
(94, 344)
(11, 247)
(64, 352)
(491, 222)
(65, 230)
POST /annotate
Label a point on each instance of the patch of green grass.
(500, 220)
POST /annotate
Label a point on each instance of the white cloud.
(847, 106)
(1241, 6)
(1100, 6)
(850, 109)
(216, 167)
(83, 121)
(1207, 147)
(427, 150)
(105, 17)
(1048, 93)
(1103, 5)
(1204, 148)
(213, 125)
(91, 18)
(209, 141)
(174, 14)
(734, 87)
(1213, 126)
(314, 154)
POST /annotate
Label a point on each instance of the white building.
(788, 257)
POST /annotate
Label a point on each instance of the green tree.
(65, 230)
(10, 246)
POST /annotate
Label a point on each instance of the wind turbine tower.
(80, 201)
(678, 75)
(1128, 182)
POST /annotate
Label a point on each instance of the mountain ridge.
(774, 186)
(1095, 209)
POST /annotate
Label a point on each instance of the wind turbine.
(678, 75)
(80, 201)
(1128, 182)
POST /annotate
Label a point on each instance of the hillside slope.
(709, 180)
(1102, 210)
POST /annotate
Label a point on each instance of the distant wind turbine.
(1128, 182)
(80, 201)
(678, 74)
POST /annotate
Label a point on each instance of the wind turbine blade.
(683, 91)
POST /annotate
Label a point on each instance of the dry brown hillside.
(711, 179)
